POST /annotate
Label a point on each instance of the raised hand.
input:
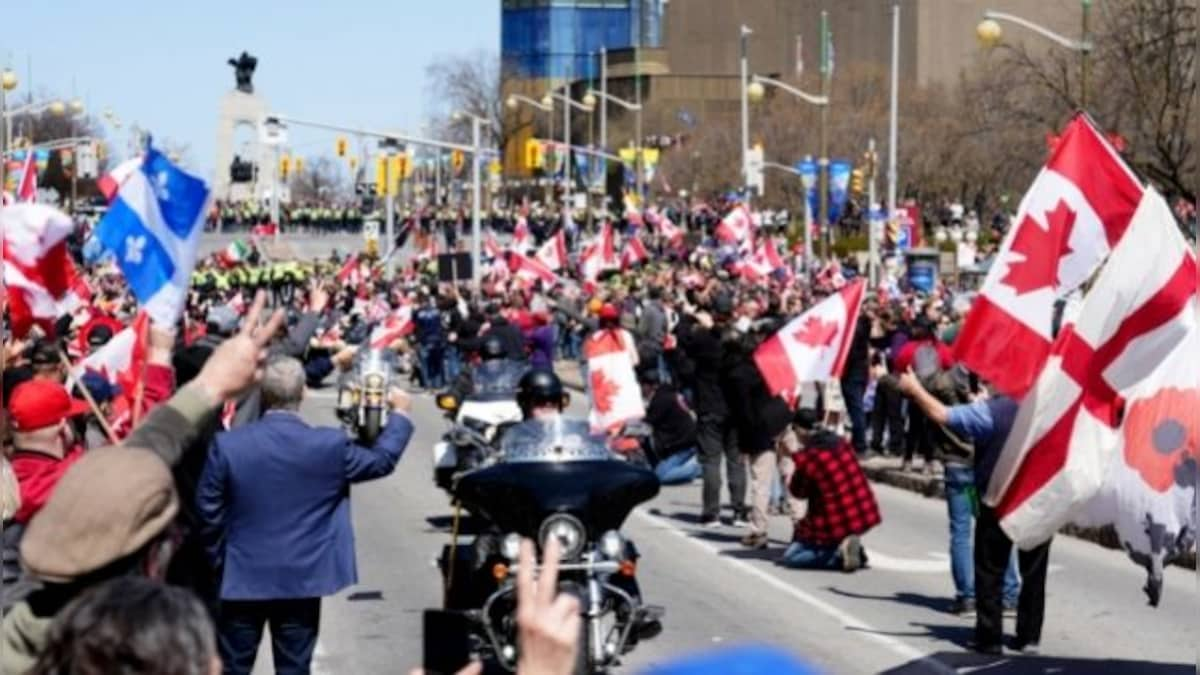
(237, 365)
(548, 623)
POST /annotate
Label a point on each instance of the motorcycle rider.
(494, 372)
(542, 399)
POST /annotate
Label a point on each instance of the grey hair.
(283, 383)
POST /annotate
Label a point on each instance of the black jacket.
(514, 342)
(703, 347)
(673, 427)
(858, 356)
(758, 417)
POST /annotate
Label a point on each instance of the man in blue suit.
(274, 504)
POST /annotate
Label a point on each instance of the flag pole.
(87, 396)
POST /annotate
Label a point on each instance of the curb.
(934, 488)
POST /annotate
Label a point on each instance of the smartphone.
(447, 642)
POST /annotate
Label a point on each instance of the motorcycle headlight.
(510, 546)
(612, 545)
(569, 532)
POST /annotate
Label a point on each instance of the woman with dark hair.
(128, 626)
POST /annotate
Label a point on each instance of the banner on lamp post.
(839, 186)
(807, 168)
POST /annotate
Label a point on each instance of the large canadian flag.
(553, 253)
(612, 385)
(600, 255)
(122, 360)
(736, 226)
(38, 270)
(634, 253)
(1067, 431)
(395, 326)
(1077, 209)
(531, 269)
(27, 190)
(813, 346)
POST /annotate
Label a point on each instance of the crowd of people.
(110, 485)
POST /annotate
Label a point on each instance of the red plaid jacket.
(840, 501)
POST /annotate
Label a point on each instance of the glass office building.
(557, 39)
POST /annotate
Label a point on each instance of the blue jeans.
(853, 391)
(453, 363)
(800, 555)
(294, 625)
(431, 362)
(681, 467)
(961, 496)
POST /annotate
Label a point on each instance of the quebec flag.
(152, 228)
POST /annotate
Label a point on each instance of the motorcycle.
(478, 421)
(363, 392)
(552, 479)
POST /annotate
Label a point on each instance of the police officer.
(431, 342)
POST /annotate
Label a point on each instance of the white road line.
(846, 619)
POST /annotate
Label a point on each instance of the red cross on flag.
(813, 346)
(1077, 209)
(1067, 433)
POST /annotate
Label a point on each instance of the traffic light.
(456, 161)
(340, 146)
(285, 164)
(380, 175)
(856, 181)
(534, 159)
(298, 165)
(353, 164)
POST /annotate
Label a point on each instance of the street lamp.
(477, 123)
(990, 33)
(276, 137)
(744, 86)
(568, 104)
(8, 82)
(604, 98)
(390, 147)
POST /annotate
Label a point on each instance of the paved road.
(890, 619)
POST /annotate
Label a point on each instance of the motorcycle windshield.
(497, 380)
(557, 439)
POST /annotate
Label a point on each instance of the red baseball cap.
(37, 404)
(609, 311)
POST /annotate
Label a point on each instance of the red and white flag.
(1067, 431)
(110, 182)
(27, 189)
(122, 360)
(491, 247)
(613, 389)
(531, 269)
(553, 253)
(38, 270)
(1077, 209)
(634, 253)
(520, 233)
(430, 250)
(813, 346)
(737, 225)
(395, 326)
(599, 256)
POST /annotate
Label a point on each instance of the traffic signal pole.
(872, 235)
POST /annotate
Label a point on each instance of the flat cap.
(110, 504)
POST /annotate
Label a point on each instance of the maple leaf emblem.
(816, 333)
(1041, 249)
(604, 390)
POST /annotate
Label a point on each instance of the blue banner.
(839, 186)
(807, 169)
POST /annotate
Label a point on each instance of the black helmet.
(539, 387)
(492, 348)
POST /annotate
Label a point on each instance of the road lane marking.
(846, 619)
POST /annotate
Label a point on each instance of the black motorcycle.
(553, 479)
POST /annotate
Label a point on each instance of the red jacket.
(37, 473)
(905, 358)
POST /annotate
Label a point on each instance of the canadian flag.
(27, 190)
(612, 385)
(123, 358)
(491, 248)
(110, 182)
(634, 253)
(553, 253)
(395, 326)
(670, 231)
(520, 233)
(600, 256)
(1077, 209)
(350, 274)
(813, 346)
(736, 226)
(38, 270)
(531, 269)
(1067, 431)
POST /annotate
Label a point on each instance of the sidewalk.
(886, 470)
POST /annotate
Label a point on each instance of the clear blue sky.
(162, 64)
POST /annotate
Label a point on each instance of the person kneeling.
(841, 506)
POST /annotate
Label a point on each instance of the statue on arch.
(243, 71)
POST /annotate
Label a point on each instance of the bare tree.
(468, 83)
(322, 180)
